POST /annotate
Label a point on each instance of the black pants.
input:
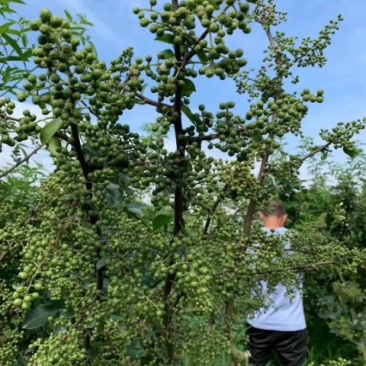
(291, 347)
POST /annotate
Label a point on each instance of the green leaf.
(83, 20)
(117, 318)
(7, 74)
(27, 54)
(5, 27)
(188, 87)
(89, 152)
(202, 56)
(194, 118)
(113, 193)
(38, 317)
(160, 220)
(166, 54)
(101, 327)
(137, 208)
(50, 129)
(134, 350)
(68, 15)
(54, 145)
(100, 264)
(17, 2)
(166, 38)
(324, 156)
(14, 32)
(352, 152)
(14, 45)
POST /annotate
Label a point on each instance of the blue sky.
(116, 28)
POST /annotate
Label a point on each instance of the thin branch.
(316, 151)
(62, 136)
(212, 136)
(3, 255)
(154, 103)
(10, 118)
(188, 56)
(213, 210)
(20, 162)
(286, 269)
(253, 201)
(304, 266)
(90, 109)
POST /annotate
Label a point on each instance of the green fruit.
(34, 25)
(17, 302)
(42, 77)
(144, 22)
(25, 305)
(56, 21)
(38, 286)
(209, 73)
(159, 313)
(155, 127)
(44, 28)
(28, 298)
(45, 15)
(66, 34)
(21, 96)
(247, 29)
(55, 78)
(22, 275)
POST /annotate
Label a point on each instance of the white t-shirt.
(283, 314)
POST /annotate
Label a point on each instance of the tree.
(340, 206)
(106, 279)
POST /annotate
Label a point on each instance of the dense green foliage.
(128, 254)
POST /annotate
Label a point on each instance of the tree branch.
(20, 162)
(253, 201)
(293, 268)
(314, 152)
(212, 136)
(80, 154)
(154, 103)
(9, 118)
(213, 210)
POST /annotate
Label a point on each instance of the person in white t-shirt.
(281, 327)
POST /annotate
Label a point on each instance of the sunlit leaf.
(167, 38)
(54, 145)
(192, 117)
(188, 87)
(14, 45)
(166, 54)
(38, 316)
(137, 208)
(160, 221)
(50, 129)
